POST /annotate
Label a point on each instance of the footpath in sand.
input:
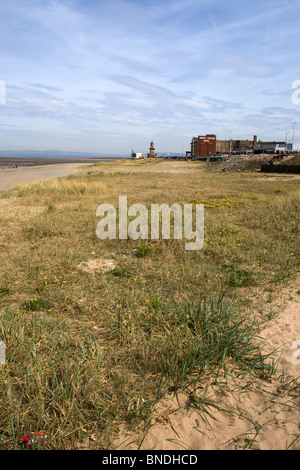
(265, 417)
(11, 177)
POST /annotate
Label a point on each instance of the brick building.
(245, 146)
(225, 146)
(203, 146)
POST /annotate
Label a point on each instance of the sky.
(109, 76)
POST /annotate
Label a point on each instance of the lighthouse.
(151, 150)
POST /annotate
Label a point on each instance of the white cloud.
(135, 67)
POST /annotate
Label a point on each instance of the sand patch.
(11, 177)
(283, 332)
(93, 265)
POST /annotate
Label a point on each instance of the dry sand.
(259, 420)
(10, 177)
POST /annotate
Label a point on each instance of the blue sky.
(109, 76)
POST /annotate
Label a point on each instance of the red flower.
(33, 438)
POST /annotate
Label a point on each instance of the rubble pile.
(243, 162)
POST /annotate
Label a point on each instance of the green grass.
(88, 350)
(143, 250)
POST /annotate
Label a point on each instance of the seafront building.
(203, 145)
(209, 145)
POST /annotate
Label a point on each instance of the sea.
(10, 157)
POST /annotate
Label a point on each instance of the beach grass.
(89, 346)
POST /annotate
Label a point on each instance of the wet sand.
(38, 161)
(11, 177)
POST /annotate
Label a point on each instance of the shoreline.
(8, 162)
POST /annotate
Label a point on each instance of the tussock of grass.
(188, 340)
(144, 250)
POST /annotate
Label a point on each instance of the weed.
(36, 305)
(4, 290)
(239, 277)
(144, 250)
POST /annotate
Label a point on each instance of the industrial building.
(250, 146)
(204, 146)
(228, 146)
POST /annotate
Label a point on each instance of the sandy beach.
(10, 177)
